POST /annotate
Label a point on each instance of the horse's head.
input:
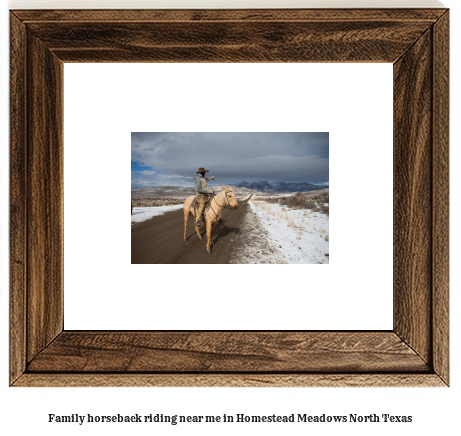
(230, 196)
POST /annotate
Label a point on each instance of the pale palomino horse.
(224, 199)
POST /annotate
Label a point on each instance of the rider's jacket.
(200, 184)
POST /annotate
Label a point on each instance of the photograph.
(230, 198)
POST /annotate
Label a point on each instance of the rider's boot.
(201, 220)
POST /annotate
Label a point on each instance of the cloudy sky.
(171, 159)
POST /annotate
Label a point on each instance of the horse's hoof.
(200, 237)
(208, 251)
(185, 239)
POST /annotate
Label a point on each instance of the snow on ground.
(144, 213)
(277, 234)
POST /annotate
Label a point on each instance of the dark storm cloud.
(232, 157)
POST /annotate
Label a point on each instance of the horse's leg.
(213, 226)
(186, 218)
(209, 235)
(197, 229)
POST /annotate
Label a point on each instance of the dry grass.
(318, 202)
(302, 223)
(157, 203)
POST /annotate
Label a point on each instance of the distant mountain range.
(280, 187)
(242, 188)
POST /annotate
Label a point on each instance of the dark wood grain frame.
(414, 353)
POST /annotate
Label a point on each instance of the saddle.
(195, 203)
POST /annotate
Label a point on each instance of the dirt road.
(160, 239)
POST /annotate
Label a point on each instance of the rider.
(202, 192)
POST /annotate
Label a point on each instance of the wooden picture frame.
(414, 353)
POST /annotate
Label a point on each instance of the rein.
(223, 206)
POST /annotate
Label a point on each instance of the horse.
(212, 214)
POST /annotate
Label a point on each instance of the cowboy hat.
(202, 170)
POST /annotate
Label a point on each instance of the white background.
(351, 101)
(434, 410)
